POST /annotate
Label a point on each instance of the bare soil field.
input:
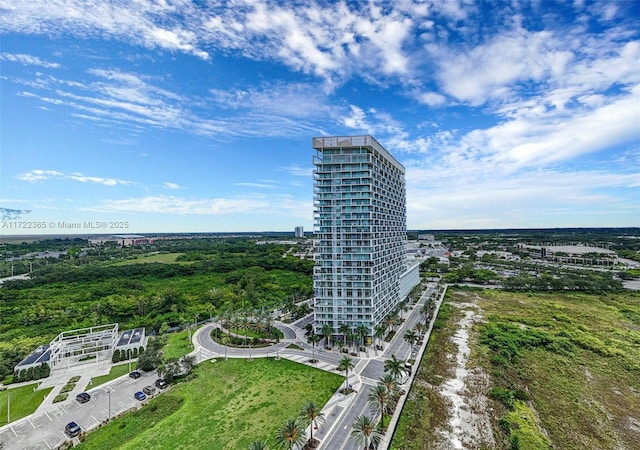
(528, 371)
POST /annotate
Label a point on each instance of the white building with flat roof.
(360, 232)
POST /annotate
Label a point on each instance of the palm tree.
(258, 445)
(425, 309)
(390, 321)
(311, 416)
(313, 339)
(327, 331)
(224, 340)
(362, 331)
(393, 366)
(353, 337)
(245, 323)
(379, 399)
(390, 384)
(291, 434)
(346, 364)
(379, 332)
(343, 328)
(364, 432)
(419, 328)
(411, 337)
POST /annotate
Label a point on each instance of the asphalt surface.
(45, 429)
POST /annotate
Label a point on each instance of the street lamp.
(195, 324)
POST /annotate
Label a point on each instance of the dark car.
(83, 397)
(149, 390)
(161, 384)
(140, 396)
(135, 374)
(72, 429)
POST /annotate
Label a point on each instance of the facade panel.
(360, 231)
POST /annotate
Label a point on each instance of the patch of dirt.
(469, 405)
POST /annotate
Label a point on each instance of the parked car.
(149, 390)
(135, 374)
(140, 396)
(161, 384)
(83, 397)
(72, 429)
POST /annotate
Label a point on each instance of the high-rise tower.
(360, 232)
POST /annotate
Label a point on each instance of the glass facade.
(360, 232)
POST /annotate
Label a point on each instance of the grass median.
(228, 405)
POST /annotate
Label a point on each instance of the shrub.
(67, 388)
(504, 396)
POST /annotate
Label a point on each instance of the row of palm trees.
(356, 336)
(240, 322)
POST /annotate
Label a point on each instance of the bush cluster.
(125, 355)
(32, 373)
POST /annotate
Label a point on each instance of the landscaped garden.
(224, 404)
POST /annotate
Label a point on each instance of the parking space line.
(95, 419)
(48, 417)
(29, 420)
(45, 441)
(14, 431)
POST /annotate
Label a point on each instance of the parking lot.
(46, 429)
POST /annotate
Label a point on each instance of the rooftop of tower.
(320, 143)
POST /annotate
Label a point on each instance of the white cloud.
(255, 185)
(28, 60)
(298, 171)
(42, 175)
(39, 175)
(255, 207)
(172, 186)
(176, 205)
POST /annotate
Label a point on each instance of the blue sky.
(192, 116)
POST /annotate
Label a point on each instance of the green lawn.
(24, 401)
(158, 258)
(228, 405)
(178, 344)
(115, 372)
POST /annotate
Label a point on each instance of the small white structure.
(409, 279)
(74, 347)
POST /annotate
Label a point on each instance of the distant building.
(360, 227)
(299, 232)
(572, 254)
(123, 240)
